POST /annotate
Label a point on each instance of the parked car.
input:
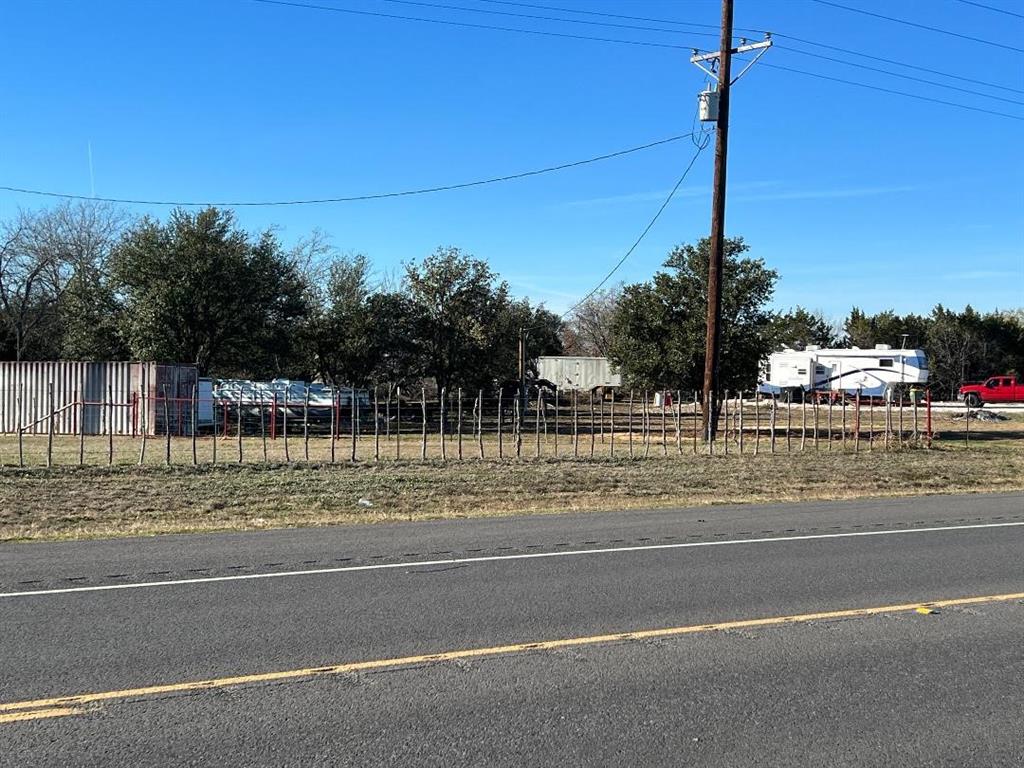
(996, 389)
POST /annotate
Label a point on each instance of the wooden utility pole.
(712, 341)
(721, 71)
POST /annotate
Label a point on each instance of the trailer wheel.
(972, 400)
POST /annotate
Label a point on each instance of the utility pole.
(715, 108)
(522, 370)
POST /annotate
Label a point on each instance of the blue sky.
(853, 195)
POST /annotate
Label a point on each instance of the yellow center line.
(66, 702)
(14, 717)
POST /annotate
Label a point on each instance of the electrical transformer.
(707, 105)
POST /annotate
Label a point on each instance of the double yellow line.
(71, 705)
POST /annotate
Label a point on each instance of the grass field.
(98, 501)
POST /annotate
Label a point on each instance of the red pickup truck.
(997, 389)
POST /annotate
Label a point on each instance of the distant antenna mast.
(92, 177)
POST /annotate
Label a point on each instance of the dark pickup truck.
(996, 389)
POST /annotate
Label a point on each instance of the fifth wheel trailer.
(871, 372)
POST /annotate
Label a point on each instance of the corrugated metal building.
(98, 398)
(583, 373)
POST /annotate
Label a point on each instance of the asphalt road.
(895, 687)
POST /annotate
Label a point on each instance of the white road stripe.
(499, 558)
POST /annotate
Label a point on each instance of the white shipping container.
(581, 373)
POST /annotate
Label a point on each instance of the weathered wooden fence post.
(870, 423)
(167, 428)
(789, 425)
(843, 410)
(725, 422)
(557, 406)
(611, 427)
(856, 423)
(629, 424)
(708, 403)
(110, 424)
(740, 408)
(679, 421)
(193, 410)
(81, 431)
(664, 433)
(423, 414)
(830, 399)
(592, 423)
(575, 424)
(398, 422)
(49, 430)
(263, 424)
(284, 423)
(305, 423)
(501, 419)
(536, 425)
(901, 418)
(333, 425)
(696, 421)
(21, 431)
(517, 425)
(480, 421)
(441, 419)
(145, 426)
(240, 424)
(376, 423)
(803, 421)
(646, 419)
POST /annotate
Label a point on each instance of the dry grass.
(82, 502)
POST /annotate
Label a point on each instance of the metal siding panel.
(108, 394)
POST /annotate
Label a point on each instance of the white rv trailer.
(872, 372)
(582, 373)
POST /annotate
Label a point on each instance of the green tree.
(799, 328)
(466, 323)
(199, 290)
(865, 331)
(658, 330)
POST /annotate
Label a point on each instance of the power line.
(355, 198)
(918, 26)
(617, 15)
(443, 6)
(643, 234)
(889, 90)
(470, 25)
(900, 75)
(991, 8)
(289, 3)
(894, 61)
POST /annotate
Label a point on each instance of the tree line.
(84, 281)
(654, 331)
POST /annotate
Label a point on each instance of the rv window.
(819, 369)
(886, 362)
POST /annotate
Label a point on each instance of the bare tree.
(588, 331)
(42, 253)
